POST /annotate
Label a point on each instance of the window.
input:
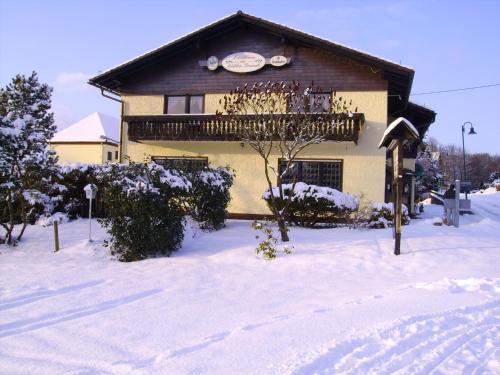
(196, 104)
(187, 164)
(180, 104)
(315, 172)
(110, 155)
(116, 154)
(319, 103)
(313, 103)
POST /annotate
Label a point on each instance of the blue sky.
(450, 44)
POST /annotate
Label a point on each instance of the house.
(93, 139)
(170, 96)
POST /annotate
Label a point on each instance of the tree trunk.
(10, 226)
(283, 229)
(24, 218)
(22, 231)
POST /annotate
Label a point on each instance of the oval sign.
(243, 62)
(212, 63)
(278, 60)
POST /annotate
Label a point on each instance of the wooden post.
(56, 236)
(398, 133)
(412, 196)
(456, 211)
(397, 191)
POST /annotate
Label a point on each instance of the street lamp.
(471, 132)
(90, 193)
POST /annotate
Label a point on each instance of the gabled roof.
(419, 116)
(399, 77)
(398, 128)
(96, 127)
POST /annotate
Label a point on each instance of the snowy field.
(341, 303)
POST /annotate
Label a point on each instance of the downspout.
(121, 117)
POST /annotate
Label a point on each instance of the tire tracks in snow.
(419, 344)
(27, 325)
(25, 299)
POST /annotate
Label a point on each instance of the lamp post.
(471, 132)
(90, 193)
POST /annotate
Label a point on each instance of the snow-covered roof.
(393, 126)
(96, 127)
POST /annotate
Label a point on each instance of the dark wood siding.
(183, 75)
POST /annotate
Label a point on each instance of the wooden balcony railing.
(220, 128)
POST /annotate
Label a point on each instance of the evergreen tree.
(27, 166)
(493, 176)
(429, 172)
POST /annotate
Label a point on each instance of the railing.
(332, 127)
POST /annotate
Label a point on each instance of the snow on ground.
(341, 303)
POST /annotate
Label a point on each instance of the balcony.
(333, 127)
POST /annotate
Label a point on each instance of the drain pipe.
(103, 93)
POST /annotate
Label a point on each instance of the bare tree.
(479, 165)
(283, 118)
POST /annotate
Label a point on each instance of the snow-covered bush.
(309, 205)
(382, 216)
(75, 177)
(27, 165)
(206, 202)
(144, 213)
(209, 196)
(48, 221)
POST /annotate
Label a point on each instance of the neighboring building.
(170, 96)
(93, 139)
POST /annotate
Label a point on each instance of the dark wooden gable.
(198, 43)
(182, 74)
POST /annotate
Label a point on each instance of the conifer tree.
(430, 172)
(27, 165)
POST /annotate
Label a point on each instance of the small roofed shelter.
(403, 131)
(400, 128)
(398, 134)
(421, 118)
(92, 140)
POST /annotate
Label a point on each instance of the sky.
(449, 44)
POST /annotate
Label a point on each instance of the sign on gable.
(244, 62)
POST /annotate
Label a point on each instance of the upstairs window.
(320, 103)
(313, 103)
(181, 104)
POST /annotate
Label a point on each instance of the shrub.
(144, 212)
(382, 216)
(209, 196)
(311, 204)
(270, 246)
(75, 177)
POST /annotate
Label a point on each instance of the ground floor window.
(186, 164)
(315, 172)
